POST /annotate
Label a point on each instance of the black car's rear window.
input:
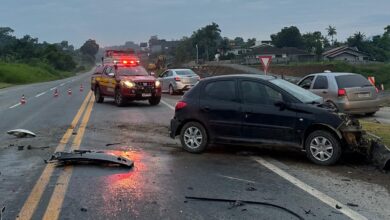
(185, 72)
(349, 81)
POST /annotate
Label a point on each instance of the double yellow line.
(54, 208)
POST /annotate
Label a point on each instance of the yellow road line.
(35, 196)
(55, 204)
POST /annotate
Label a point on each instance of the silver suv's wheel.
(323, 148)
(193, 137)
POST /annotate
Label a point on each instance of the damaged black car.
(258, 110)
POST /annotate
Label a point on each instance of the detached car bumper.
(173, 128)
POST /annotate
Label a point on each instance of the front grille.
(144, 84)
(145, 87)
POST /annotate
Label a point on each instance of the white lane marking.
(15, 105)
(312, 191)
(234, 178)
(40, 94)
(62, 84)
(53, 88)
(169, 106)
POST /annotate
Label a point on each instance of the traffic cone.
(56, 93)
(81, 88)
(69, 91)
(23, 100)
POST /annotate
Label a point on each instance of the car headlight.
(128, 84)
(157, 83)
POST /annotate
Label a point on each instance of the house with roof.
(345, 53)
(279, 55)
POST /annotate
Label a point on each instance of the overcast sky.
(112, 22)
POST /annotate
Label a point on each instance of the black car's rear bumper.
(173, 128)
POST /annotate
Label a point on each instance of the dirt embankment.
(207, 71)
(298, 71)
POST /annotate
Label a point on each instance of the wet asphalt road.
(163, 174)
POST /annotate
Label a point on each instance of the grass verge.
(19, 73)
(380, 130)
(4, 85)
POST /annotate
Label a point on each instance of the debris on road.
(111, 144)
(2, 212)
(338, 207)
(29, 147)
(83, 209)
(236, 204)
(242, 202)
(85, 156)
(251, 188)
(21, 147)
(21, 133)
(352, 204)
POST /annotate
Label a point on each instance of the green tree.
(207, 38)
(331, 33)
(288, 37)
(314, 43)
(185, 51)
(224, 46)
(357, 40)
(239, 41)
(90, 48)
(250, 42)
(387, 29)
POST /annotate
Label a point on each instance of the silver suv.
(178, 80)
(348, 92)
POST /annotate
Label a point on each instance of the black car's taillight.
(180, 105)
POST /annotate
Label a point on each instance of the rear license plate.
(146, 94)
(364, 95)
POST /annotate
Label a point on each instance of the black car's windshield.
(132, 71)
(185, 72)
(296, 91)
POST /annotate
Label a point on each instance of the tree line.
(61, 56)
(207, 41)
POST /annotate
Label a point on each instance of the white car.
(178, 80)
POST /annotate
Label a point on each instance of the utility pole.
(197, 54)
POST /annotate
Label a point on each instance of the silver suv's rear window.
(349, 81)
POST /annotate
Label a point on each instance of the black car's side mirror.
(282, 105)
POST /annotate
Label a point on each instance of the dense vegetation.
(26, 60)
(209, 42)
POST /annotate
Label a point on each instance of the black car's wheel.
(154, 100)
(119, 101)
(323, 148)
(171, 90)
(98, 95)
(193, 137)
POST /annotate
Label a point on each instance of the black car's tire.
(193, 137)
(370, 113)
(323, 148)
(155, 100)
(171, 90)
(98, 95)
(119, 100)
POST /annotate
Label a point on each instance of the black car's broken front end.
(358, 140)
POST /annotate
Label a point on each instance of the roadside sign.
(371, 79)
(265, 61)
